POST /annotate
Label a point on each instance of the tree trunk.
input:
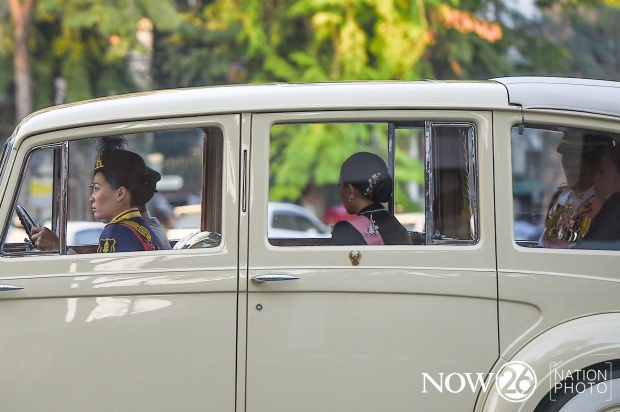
(21, 11)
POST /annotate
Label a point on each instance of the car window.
(36, 195)
(188, 221)
(292, 221)
(304, 224)
(86, 237)
(55, 187)
(557, 186)
(284, 221)
(431, 164)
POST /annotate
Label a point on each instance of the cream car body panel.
(361, 334)
(560, 351)
(541, 288)
(102, 332)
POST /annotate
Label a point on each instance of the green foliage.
(593, 50)
(87, 43)
(90, 42)
(309, 40)
(6, 46)
(193, 55)
(108, 17)
(575, 39)
(327, 40)
(310, 155)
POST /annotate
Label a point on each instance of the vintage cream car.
(473, 316)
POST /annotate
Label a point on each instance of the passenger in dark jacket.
(364, 184)
(604, 231)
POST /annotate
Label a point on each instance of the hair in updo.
(124, 168)
(369, 174)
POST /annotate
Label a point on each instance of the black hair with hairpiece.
(369, 174)
(124, 168)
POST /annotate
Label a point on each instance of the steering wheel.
(25, 218)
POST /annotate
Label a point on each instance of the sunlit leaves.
(326, 40)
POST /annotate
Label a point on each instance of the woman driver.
(120, 185)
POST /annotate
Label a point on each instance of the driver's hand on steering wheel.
(44, 239)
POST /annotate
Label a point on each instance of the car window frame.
(429, 125)
(58, 187)
(58, 140)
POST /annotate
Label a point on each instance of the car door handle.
(273, 278)
(5, 288)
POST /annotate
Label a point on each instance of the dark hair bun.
(383, 191)
(124, 168)
(369, 174)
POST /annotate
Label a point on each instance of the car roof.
(591, 96)
(581, 95)
(212, 100)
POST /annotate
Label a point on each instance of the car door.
(548, 274)
(381, 327)
(140, 331)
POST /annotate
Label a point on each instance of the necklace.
(371, 211)
(373, 229)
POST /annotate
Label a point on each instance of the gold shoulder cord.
(123, 218)
(127, 214)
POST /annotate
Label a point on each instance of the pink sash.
(361, 224)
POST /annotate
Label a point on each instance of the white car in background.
(286, 220)
(82, 233)
(186, 221)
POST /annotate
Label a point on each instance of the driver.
(121, 184)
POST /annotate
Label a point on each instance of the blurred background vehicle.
(335, 214)
(286, 220)
(413, 222)
(186, 221)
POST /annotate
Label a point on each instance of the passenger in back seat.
(604, 231)
(364, 185)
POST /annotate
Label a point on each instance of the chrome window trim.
(472, 181)
(20, 182)
(60, 215)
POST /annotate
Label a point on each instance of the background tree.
(588, 36)
(95, 44)
(471, 42)
(78, 49)
(306, 40)
(193, 54)
(21, 11)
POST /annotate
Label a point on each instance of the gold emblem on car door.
(355, 257)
